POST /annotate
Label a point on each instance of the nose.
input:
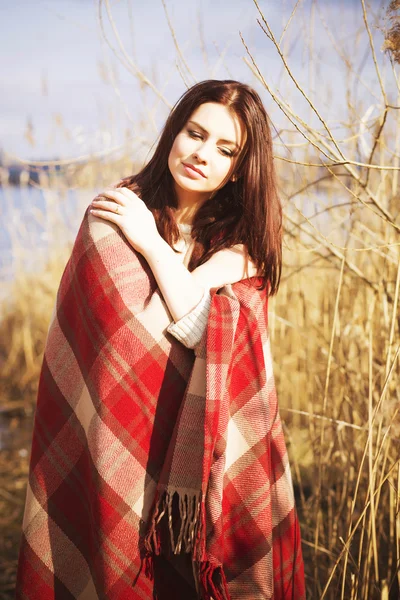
(201, 153)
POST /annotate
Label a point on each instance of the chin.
(191, 185)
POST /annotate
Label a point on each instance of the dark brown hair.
(245, 211)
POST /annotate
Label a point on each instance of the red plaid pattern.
(156, 471)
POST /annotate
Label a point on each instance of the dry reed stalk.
(335, 323)
(369, 487)
(324, 406)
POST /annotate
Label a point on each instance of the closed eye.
(194, 134)
(197, 136)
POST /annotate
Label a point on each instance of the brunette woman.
(158, 462)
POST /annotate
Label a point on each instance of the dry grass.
(340, 402)
(335, 326)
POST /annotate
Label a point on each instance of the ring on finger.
(117, 208)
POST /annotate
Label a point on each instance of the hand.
(125, 209)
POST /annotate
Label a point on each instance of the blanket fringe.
(186, 535)
(149, 567)
(213, 584)
(184, 528)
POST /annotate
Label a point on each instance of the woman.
(145, 453)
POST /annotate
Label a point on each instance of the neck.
(188, 204)
(185, 215)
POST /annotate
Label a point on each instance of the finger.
(106, 215)
(127, 197)
(108, 205)
(115, 195)
(129, 194)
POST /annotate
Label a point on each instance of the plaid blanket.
(156, 471)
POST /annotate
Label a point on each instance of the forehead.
(219, 121)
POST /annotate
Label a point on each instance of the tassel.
(189, 536)
(199, 533)
(184, 539)
(213, 582)
(149, 567)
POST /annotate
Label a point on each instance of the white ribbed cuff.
(190, 328)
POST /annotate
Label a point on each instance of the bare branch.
(352, 267)
(342, 55)
(278, 101)
(288, 23)
(371, 43)
(177, 46)
(271, 36)
(340, 163)
(125, 58)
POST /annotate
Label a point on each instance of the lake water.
(34, 221)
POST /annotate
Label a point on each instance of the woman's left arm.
(181, 289)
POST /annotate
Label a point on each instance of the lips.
(189, 166)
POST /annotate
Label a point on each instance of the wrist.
(156, 249)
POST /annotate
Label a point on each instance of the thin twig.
(339, 255)
(289, 72)
(371, 43)
(340, 163)
(125, 59)
(293, 117)
(288, 23)
(174, 38)
(279, 102)
(337, 422)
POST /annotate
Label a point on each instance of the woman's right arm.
(182, 289)
(225, 266)
(187, 294)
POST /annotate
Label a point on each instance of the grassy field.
(334, 325)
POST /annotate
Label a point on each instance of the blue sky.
(53, 58)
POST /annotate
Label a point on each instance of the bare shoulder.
(236, 258)
(226, 266)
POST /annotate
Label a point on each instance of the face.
(210, 142)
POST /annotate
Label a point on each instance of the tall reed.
(335, 324)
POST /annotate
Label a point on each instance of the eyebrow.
(225, 141)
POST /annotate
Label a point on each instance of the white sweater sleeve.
(190, 328)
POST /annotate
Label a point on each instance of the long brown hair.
(245, 211)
